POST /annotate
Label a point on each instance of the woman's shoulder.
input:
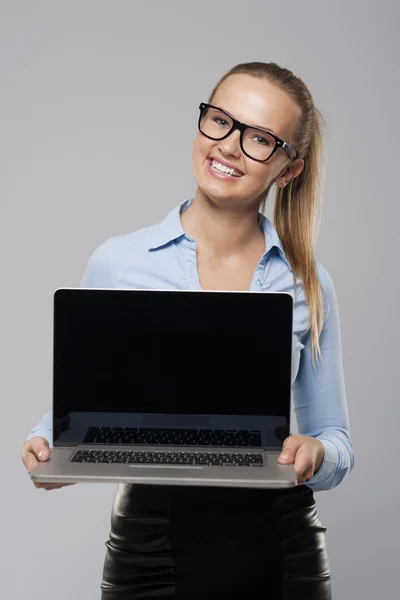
(140, 241)
(125, 244)
(325, 280)
(116, 255)
(328, 290)
(324, 276)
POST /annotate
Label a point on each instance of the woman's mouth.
(221, 170)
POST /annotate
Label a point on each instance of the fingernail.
(40, 454)
(285, 456)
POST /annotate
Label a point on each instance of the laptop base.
(60, 469)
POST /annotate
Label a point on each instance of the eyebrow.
(265, 129)
(255, 126)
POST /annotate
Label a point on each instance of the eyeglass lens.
(257, 144)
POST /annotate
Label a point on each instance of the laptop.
(170, 387)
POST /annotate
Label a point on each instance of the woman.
(171, 542)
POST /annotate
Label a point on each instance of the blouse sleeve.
(320, 397)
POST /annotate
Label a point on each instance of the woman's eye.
(221, 122)
(261, 140)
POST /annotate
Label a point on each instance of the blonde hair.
(298, 204)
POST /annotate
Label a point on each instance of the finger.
(304, 464)
(40, 447)
(30, 461)
(37, 451)
(55, 486)
(287, 456)
(289, 450)
(303, 477)
(43, 486)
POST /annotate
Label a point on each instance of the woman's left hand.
(307, 454)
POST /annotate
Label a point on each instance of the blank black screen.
(172, 352)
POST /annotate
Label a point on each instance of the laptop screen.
(189, 361)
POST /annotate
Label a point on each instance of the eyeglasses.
(258, 144)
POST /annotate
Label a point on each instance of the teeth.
(223, 169)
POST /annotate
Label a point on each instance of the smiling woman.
(279, 126)
(230, 130)
(259, 129)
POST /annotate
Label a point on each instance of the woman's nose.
(231, 145)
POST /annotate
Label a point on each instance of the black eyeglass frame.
(290, 151)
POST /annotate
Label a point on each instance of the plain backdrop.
(98, 107)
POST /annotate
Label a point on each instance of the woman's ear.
(291, 171)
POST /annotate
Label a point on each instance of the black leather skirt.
(187, 543)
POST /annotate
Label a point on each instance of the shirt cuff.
(324, 477)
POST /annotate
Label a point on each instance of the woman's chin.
(217, 191)
(217, 196)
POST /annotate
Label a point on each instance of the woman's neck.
(223, 231)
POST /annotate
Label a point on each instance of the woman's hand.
(35, 450)
(307, 454)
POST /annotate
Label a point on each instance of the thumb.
(289, 449)
(40, 447)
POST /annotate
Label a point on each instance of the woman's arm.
(320, 397)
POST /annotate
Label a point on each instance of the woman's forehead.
(257, 102)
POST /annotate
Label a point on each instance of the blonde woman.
(259, 129)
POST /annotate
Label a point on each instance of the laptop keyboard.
(173, 437)
(169, 458)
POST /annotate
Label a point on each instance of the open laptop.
(170, 387)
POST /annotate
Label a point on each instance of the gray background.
(99, 104)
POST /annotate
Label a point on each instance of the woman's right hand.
(34, 450)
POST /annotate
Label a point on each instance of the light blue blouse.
(163, 256)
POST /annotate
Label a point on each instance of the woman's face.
(255, 102)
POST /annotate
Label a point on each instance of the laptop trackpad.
(172, 421)
(158, 466)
